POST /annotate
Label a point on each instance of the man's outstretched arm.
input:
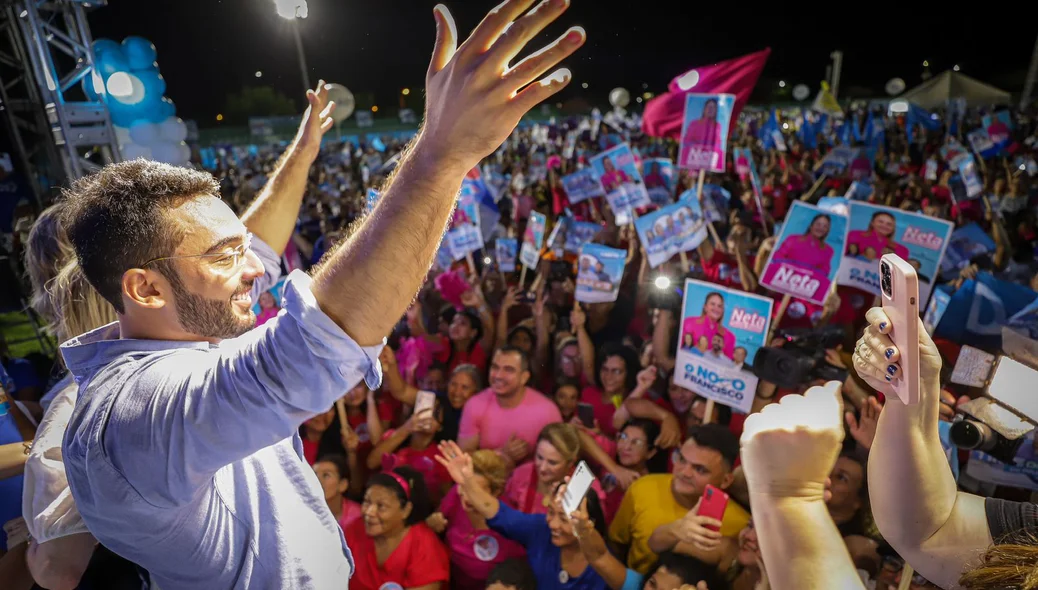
(474, 102)
(272, 216)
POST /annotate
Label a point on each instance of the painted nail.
(573, 37)
(888, 378)
(882, 325)
(892, 369)
(890, 352)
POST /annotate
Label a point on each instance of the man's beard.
(211, 318)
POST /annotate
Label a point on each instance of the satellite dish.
(895, 86)
(801, 91)
(619, 97)
(344, 102)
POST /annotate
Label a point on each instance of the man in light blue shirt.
(182, 453)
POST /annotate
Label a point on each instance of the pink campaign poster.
(807, 257)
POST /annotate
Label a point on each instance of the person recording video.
(187, 419)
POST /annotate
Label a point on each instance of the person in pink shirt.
(412, 445)
(808, 250)
(613, 178)
(508, 416)
(634, 448)
(617, 373)
(333, 473)
(703, 135)
(709, 324)
(879, 236)
(268, 308)
(474, 547)
(555, 456)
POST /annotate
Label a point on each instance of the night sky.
(208, 48)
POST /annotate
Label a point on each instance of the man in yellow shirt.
(660, 501)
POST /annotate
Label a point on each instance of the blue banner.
(599, 272)
(533, 240)
(505, 251)
(979, 308)
(965, 244)
(672, 229)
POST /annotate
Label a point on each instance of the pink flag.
(664, 114)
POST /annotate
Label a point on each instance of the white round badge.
(390, 586)
(485, 547)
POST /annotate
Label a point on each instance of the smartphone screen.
(713, 504)
(424, 402)
(586, 413)
(579, 483)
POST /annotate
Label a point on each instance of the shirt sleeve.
(207, 408)
(47, 504)
(528, 529)
(1006, 518)
(620, 528)
(271, 267)
(471, 415)
(633, 581)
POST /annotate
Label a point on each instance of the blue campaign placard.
(721, 331)
(599, 272)
(965, 243)
(808, 253)
(581, 185)
(660, 180)
(671, 229)
(505, 251)
(617, 172)
(704, 131)
(533, 240)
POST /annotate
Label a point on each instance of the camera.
(801, 358)
(885, 279)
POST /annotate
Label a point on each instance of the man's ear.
(146, 288)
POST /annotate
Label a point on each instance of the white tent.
(936, 91)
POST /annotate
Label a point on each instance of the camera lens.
(967, 434)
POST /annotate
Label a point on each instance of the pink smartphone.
(714, 503)
(899, 285)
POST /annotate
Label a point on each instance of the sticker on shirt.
(486, 548)
(796, 310)
(390, 586)
(362, 432)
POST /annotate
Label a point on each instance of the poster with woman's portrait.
(704, 134)
(874, 230)
(505, 251)
(581, 185)
(660, 180)
(808, 253)
(617, 172)
(599, 272)
(669, 230)
(533, 240)
(721, 331)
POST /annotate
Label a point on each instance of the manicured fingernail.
(888, 378)
(892, 369)
(573, 37)
(882, 325)
(890, 352)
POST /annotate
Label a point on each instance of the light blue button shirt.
(184, 457)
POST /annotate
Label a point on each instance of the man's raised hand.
(317, 120)
(474, 97)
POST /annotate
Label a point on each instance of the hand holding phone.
(899, 290)
(712, 504)
(579, 483)
(586, 413)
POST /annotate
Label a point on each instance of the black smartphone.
(586, 413)
(526, 297)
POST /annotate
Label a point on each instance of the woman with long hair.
(616, 377)
(808, 250)
(709, 324)
(879, 235)
(556, 453)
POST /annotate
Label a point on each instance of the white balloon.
(132, 151)
(173, 129)
(185, 153)
(167, 152)
(125, 88)
(688, 80)
(895, 86)
(619, 97)
(344, 102)
(122, 135)
(801, 91)
(145, 133)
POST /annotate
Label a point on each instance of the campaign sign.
(970, 178)
(671, 229)
(998, 126)
(837, 205)
(965, 243)
(444, 258)
(930, 172)
(1022, 474)
(533, 239)
(874, 230)
(807, 257)
(467, 211)
(579, 233)
(617, 171)
(505, 251)
(981, 143)
(464, 240)
(714, 202)
(704, 132)
(952, 152)
(660, 180)
(599, 272)
(721, 331)
(581, 185)
(838, 160)
(935, 310)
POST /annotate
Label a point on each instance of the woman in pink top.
(617, 373)
(709, 324)
(412, 445)
(268, 308)
(879, 236)
(474, 548)
(613, 178)
(809, 250)
(334, 475)
(703, 135)
(555, 457)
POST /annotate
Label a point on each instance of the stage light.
(926, 63)
(662, 282)
(374, 109)
(955, 67)
(259, 74)
(219, 117)
(487, 260)
(291, 8)
(782, 83)
(785, 125)
(405, 91)
(899, 106)
(638, 100)
(584, 85)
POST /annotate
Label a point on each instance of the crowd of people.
(444, 463)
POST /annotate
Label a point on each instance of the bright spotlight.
(405, 91)
(662, 282)
(291, 8)
(487, 260)
(584, 85)
(259, 74)
(955, 67)
(926, 64)
(782, 83)
(899, 106)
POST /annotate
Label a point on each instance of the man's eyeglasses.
(226, 261)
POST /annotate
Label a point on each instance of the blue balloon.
(111, 62)
(154, 66)
(123, 115)
(88, 89)
(154, 84)
(168, 108)
(140, 52)
(101, 46)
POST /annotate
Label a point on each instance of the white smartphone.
(424, 402)
(899, 286)
(579, 483)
